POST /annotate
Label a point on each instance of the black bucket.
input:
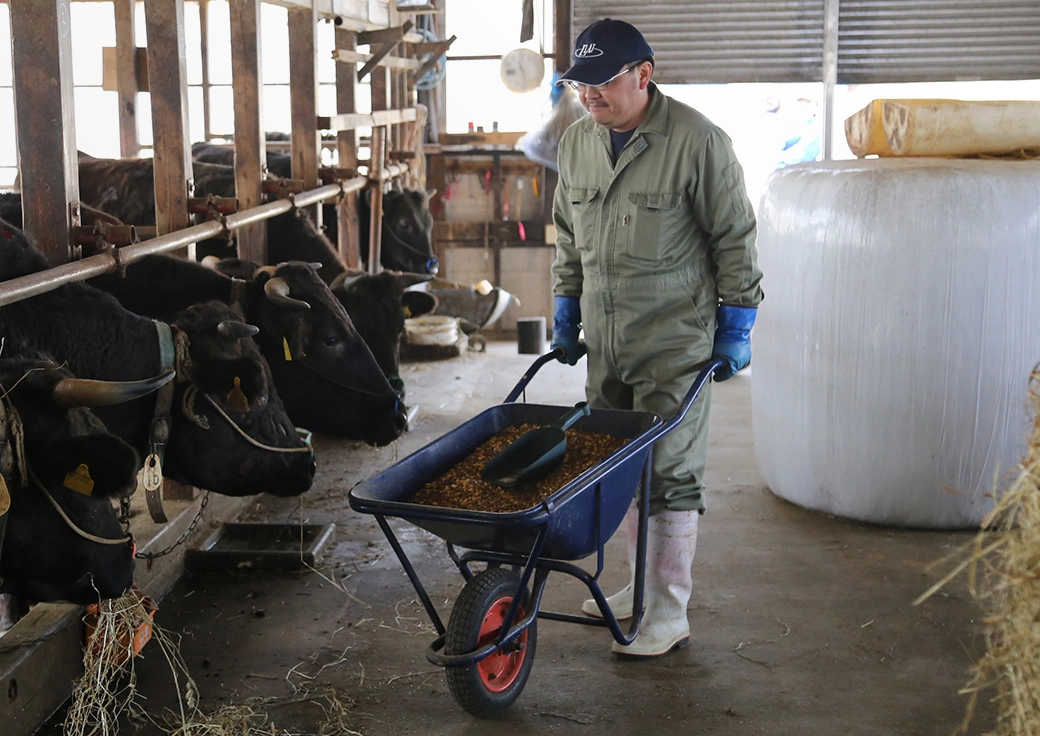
(530, 335)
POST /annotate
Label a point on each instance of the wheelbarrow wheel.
(494, 683)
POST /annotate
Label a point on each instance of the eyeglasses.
(579, 87)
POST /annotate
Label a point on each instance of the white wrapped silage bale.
(900, 326)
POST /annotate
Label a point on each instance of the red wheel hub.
(501, 668)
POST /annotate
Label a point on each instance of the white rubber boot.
(621, 602)
(670, 547)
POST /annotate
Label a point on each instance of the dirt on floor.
(802, 623)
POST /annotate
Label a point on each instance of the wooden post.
(41, 52)
(250, 142)
(380, 101)
(303, 95)
(375, 171)
(346, 146)
(126, 77)
(168, 84)
(207, 126)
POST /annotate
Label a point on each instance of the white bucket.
(431, 330)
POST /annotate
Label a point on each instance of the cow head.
(378, 305)
(64, 457)
(230, 432)
(407, 237)
(327, 375)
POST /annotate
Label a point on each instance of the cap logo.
(588, 51)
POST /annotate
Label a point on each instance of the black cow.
(377, 304)
(278, 163)
(11, 211)
(228, 430)
(63, 469)
(381, 302)
(323, 369)
(406, 241)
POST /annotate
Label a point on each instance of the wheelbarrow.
(488, 645)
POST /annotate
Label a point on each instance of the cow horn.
(316, 265)
(237, 330)
(72, 392)
(277, 290)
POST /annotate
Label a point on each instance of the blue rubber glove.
(733, 338)
(566, 326)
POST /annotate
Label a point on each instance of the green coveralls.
(651, 245)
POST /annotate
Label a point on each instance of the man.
(656, 260)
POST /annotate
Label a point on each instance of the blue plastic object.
(733, 338)
(566, 328)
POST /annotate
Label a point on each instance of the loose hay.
(1004, 576)
(107, 689)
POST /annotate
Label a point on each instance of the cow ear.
(99, 465)
(431, 193)
(418, 303)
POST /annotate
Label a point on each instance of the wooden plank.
(385, 35)
(511, 165)
(346, 148)
(41, 51)
(499, 138)
(128, 61)
(303, 99)
(393, 36)
(169, 94)
(350, 121)
(250, 151)
(40, 659)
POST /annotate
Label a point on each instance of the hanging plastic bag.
(540, 145)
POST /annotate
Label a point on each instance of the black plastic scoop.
(534, 454)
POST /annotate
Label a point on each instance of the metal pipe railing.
(24, 287)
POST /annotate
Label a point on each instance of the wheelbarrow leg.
(410, 572)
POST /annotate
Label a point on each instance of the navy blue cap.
(603, 49)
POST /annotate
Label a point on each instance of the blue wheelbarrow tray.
(576, 519)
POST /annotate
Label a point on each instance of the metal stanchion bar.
(23, 287)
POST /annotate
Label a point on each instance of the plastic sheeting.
(901, 322)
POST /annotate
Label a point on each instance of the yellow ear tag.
(407, 312)
(236, 399)
(285, 347)
(79, 480)
(5, 496)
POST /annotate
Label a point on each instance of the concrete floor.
(802, 623)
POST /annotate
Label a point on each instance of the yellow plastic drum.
(944, 128)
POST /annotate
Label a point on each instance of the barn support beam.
(346, 147)
(41, 51)
(168, 84)
(126, 77)
(250, 144)
(303, 98)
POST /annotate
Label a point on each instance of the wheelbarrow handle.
(535, 366)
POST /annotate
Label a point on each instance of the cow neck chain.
(181, 539)
(188, 405)
(71, 524)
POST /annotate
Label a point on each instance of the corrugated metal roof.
(698, 41)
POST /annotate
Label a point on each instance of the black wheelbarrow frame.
(570, 524)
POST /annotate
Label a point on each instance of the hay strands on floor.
(118, 629)
(1004, 576)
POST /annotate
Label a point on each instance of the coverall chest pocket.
(653, 216)
(583, 213)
